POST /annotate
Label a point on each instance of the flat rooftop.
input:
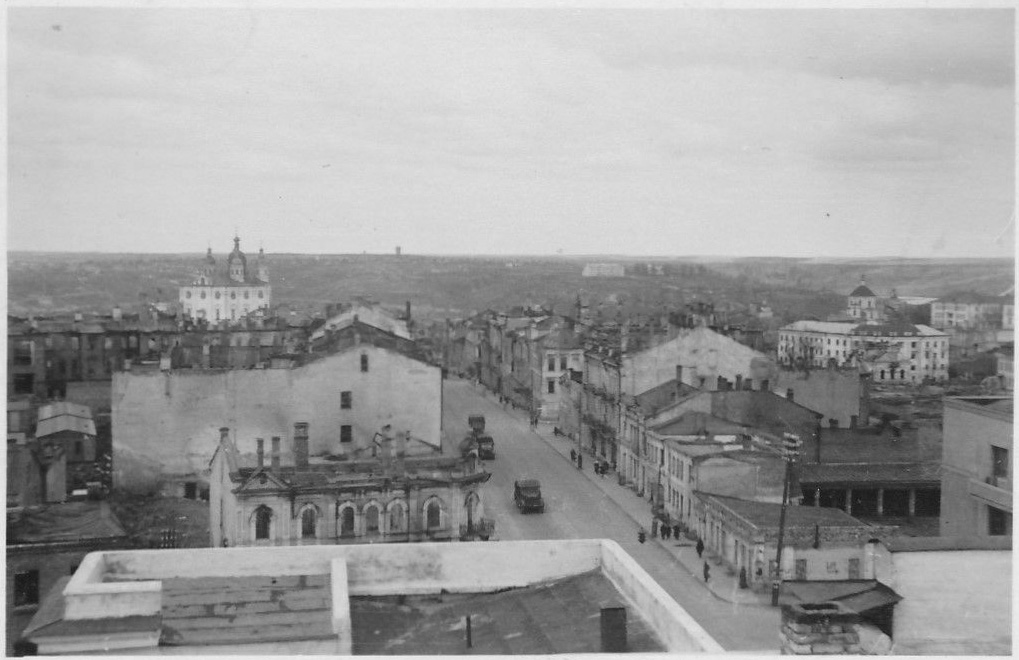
(556, 617)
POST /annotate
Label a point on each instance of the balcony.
(996, 491)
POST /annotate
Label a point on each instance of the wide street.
(575, 507)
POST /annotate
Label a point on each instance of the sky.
(568, 130)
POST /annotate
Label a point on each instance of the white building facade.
(907, 352)
(229, 296)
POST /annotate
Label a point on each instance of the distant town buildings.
(228, 294)
(970, 310)
(888, 351)
(603, 270)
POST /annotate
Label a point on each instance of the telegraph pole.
(790, 450)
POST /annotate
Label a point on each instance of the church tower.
(237, 263)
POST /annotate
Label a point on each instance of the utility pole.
(790, 450)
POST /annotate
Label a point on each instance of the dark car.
(486, 448)
(527, 495)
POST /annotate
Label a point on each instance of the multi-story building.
(555, 354)
(355, 381)
(216, 296)
(969, 310)
(976, 468)
(612, 376)
(888, 351)
(865, 305)
(384, 496)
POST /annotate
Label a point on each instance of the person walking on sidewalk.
(700, 548)
(675, 531)
(573, 455)
(707, 572)
(654, 527)
(666, 532)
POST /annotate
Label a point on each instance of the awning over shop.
(861, 596)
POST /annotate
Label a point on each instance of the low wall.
(86, 596)
(659, 608)
(377, 569)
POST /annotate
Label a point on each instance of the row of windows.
(233, 295)
(372, 514)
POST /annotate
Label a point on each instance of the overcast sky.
(822, 132)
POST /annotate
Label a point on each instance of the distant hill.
(441, 286)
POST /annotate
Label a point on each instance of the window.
(233, 295)
(26, 588)
(188, 295)
(346, 433)
(77, 448)
(433, 515)
(551, 386)
(261, 294)
(308, 520)
(371, 520)
(347, 522)
(562, 363)
(999, 461)
(345, 399)
(75, 343)
(246, 295)
(217, 295)
(203, 295)
(854, 568)
(24, 383)
(263, 522)
(364, 363)
(999, 523)
(397, 518)
(551, 363)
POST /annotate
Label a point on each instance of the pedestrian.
(675, 531)
(666, 532)
(707, 572)
(573, 455)
(700, 548)
(654, 527)
(601, 471)
(580, 461)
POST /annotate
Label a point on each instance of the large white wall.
(954, 602)
(167, 424)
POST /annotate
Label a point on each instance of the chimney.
(407, 317)
(224, 433)
(301, 444)
(789, 394)
(275, 456)
(117, 314)
(679, 375)
(260, 451)
(78, 316)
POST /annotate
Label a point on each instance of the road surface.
(575, 508)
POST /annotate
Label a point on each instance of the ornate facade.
(216, 296)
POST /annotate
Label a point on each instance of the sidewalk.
(722, 586)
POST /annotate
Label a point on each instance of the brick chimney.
(679, 376)
(275, 456)
(301, 444)
(819, 628)
(260, 451)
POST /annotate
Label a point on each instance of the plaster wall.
(701, 352)
(167, 424)
(834, 394)
(952, 599)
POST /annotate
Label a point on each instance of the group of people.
(665, 530)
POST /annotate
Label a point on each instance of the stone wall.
(819, 629)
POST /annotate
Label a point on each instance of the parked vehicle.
(527, 495)
(486, 447)
(477, 423)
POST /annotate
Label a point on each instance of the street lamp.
(790, 452)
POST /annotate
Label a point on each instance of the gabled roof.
(64, 416)
(697, 423)
(71, 521)
(767, 514)
(862, 291)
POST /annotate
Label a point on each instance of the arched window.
(397, 518)
(309, 518)
(346, 516)
(263, 523)
(217, 295)
(233, 295)
(371, 519)
(203, 295)
(433, 515)
(261, 294)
